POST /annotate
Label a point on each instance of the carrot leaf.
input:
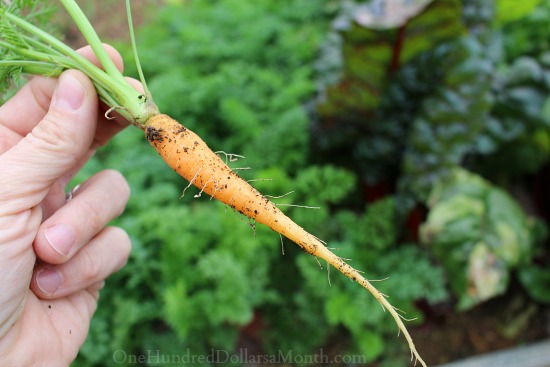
(26, 48)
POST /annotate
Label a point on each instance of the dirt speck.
(153, 135)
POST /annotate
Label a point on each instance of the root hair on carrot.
(258, 180)
(204, 186)
(299, 206)
(191, 182)
(328, 275)
(250, 221)
(282, 244)
(379, 280)
(252, 224)
(231, 201)
(230, 157)
(280, 196)
(318, 262)
(320, 240)
(108, 115)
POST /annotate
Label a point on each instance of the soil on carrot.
(153, 134)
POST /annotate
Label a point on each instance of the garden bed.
(508, 321)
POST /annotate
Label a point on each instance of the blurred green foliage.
(480, 233)
(325, 107)
(241, 75)
(474, 98)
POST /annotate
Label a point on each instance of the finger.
(109, 127)
(8, 138)
(96, 202)
(57, 196)
(29, 105)
(88, 53)
(104, 255)
(22, 112)
(53, 147)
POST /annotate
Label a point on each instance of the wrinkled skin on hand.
(55, 254)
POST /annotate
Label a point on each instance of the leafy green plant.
(415, 109)
(367, 111)
(480, 234)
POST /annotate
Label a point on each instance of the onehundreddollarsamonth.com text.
(241, 356)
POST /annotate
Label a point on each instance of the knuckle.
(41, 93)
(50, 136)
(119, 181)
(93, 214)
(123, 244)
(119, 189)
(6, 142)
(115, 242)
(89, 267)
(108, 255)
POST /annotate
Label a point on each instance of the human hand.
(54, 253)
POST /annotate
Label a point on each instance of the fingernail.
(48, 280)
(61, 238)
(69, 94)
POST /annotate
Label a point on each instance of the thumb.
(52, 148)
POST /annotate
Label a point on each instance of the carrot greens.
(25, 48)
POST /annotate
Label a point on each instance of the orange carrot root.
(191, 158)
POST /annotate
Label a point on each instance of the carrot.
(187, 154)
(27, 48)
